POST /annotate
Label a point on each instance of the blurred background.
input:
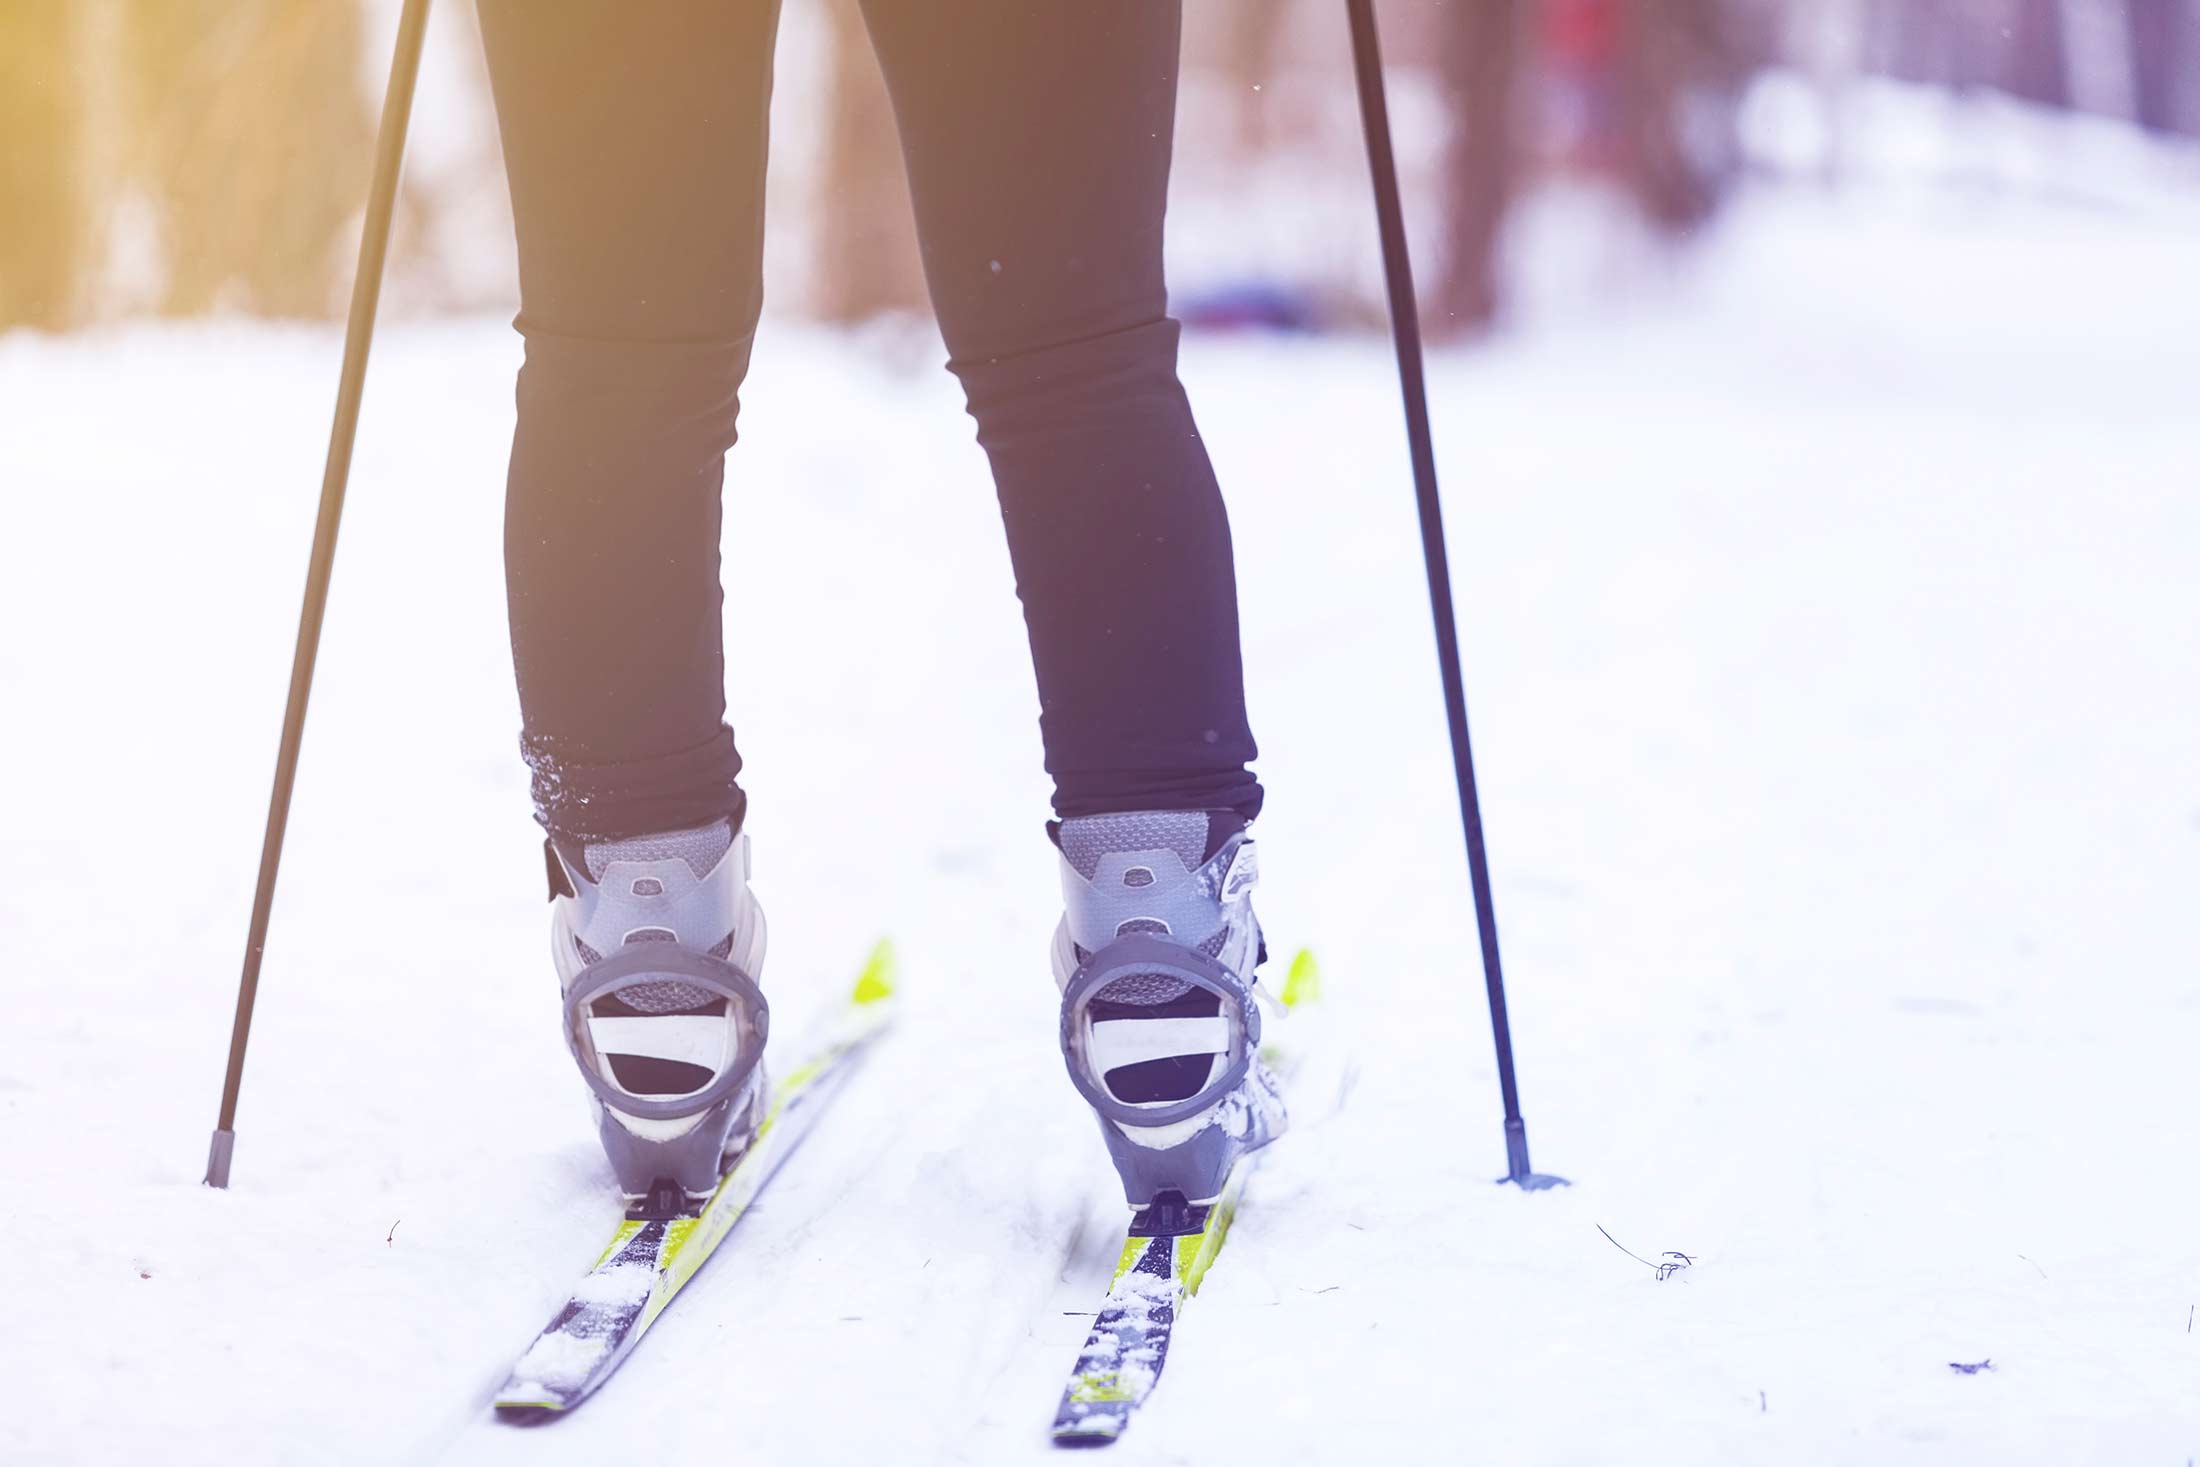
(182, 157)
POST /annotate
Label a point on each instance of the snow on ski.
(1166, 1254)
(649, 1259)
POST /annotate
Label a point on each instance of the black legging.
(1037, 136)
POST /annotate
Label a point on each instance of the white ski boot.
(1155, 957)
(658, 943)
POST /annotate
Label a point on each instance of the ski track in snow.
(1830, 635)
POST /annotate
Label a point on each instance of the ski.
(652, 1256)
(1165, 1256)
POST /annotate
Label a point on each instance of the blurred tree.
(867, 240)
(1916, 40)
(2032, 49)
(252, 136)
(2037, 61)
(1479, 53)
(1682, 64)
(43, 241)
(2165, 64)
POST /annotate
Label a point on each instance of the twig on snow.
(1671, 1261)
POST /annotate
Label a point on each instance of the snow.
(556, 1362)
(616, 1283)
(1830, 624)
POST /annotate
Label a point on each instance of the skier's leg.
(634, 138)
(1038, 138)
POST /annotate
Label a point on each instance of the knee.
(1078, 378)
(679, 396)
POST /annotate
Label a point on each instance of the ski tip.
(1087, 1438)
(880, 977)
(1303, 983)
(528, 1413)
(1091, 1427)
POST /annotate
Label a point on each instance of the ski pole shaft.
(1367, 65)
(366, 293)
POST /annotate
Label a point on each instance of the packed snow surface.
(1831, 618)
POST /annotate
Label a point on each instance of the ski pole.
(1367, 66)
(366, 291)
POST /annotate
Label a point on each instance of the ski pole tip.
(1517, 1170)
(217, 1158)
(1534, 1181)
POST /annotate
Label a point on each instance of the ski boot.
(1155, 958)
(658, 942)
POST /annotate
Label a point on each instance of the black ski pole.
(366, 292)
(1367, 66)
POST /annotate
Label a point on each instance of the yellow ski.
(650, 1259)
(1164, 1259)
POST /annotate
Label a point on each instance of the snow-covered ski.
(651, 1257)
(1166, 1254)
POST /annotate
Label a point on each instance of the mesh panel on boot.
(670, 996)
(1088, 838)
(701, 848)
(722, 949)
(1142, 990)
(666, 997)
(1212, 946)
